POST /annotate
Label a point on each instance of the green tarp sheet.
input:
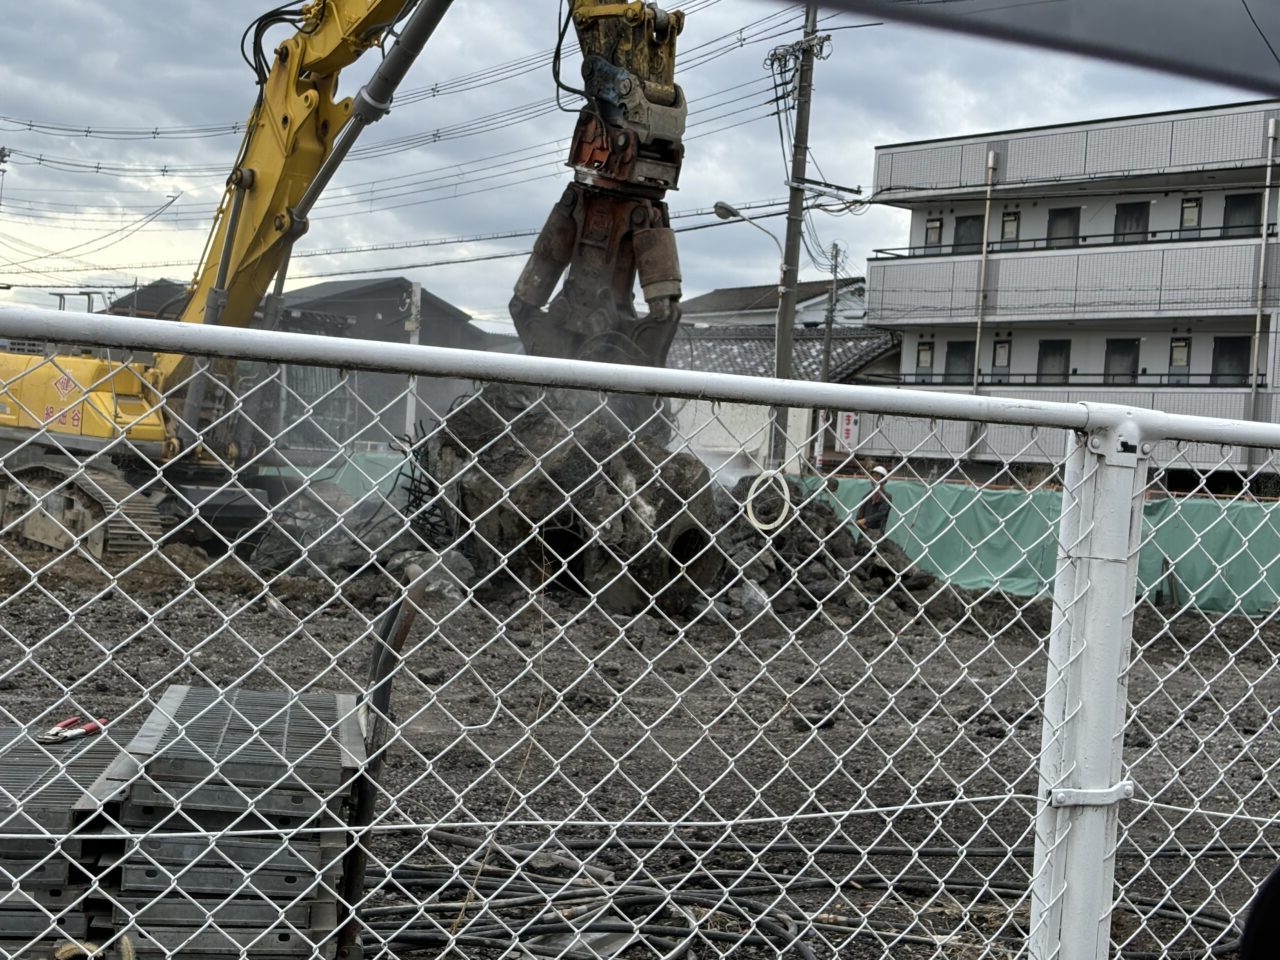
(1221, 555)
(356, 473)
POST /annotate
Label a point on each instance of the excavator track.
(59, 507)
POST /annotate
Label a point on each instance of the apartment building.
(1112, 260)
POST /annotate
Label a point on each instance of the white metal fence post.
(1086, 696)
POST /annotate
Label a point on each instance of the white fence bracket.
(1093, 798)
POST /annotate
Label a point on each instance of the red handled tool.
(71, 729)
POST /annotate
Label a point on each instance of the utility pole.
(413, 324)
(784, 337)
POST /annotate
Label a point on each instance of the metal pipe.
(345, 354)
(1262, 274)
(392, 634)
(1085, 700)
(214, 304)
(982, 270)
(272, 311)
(824, 415)
(781, 360)
(217, 299)
(413, 323)
(373, 101)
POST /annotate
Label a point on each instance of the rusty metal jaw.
(605, 241)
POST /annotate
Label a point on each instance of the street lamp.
(781, 343)
(726, 212)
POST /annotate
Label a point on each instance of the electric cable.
(784, 510)
(124, 233)
(447, 177)
(510, 904)
(767, 206)
(258, 61)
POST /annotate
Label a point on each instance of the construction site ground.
(539, 708)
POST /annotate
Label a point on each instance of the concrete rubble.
(532, 488)
(556, 487)
(324, 531)
(814, 557)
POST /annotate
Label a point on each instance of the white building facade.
(1114, 260)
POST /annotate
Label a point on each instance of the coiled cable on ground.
(508, 903)
(770, 476)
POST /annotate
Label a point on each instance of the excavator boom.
(297, 131)
(290, 132)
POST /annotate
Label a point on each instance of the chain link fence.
(526, 677)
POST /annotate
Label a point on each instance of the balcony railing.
(1213, 277)
(1085, 379)
(1091, 240)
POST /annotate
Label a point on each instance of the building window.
(1064, 227)
(1179, 359)
(1010, 226)
(1121, 363)
(1053, 363)
(1132, 222)
(1242, 215)
(959, 362)
(1000, 353)
(968, 235)
(924, 362)
(933, 232)
(1230, 361)
(1190, 221)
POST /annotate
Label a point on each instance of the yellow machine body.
(83, 396)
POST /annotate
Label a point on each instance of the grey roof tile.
(749, 350)
(740, 299)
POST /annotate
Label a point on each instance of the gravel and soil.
(869, 745)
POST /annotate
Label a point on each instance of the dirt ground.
(870, 760)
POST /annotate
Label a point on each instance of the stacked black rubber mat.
(217, 831)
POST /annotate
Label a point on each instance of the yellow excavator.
(105, 454)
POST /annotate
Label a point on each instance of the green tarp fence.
(1221, 556)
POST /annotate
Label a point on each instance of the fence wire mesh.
(511, 671)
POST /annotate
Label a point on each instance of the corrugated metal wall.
(1120, 149)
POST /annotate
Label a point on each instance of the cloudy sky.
(120, 121)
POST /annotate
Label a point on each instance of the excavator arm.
(289, 133)
(296, 134)
(610, 228)
(289, 139)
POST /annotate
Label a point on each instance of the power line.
(123, 234)
(347, 202)
(481, 125)
(1274, 56)
(14, 125)
(514, 171)
(395, 268)
(707, 102)
(466, 83)
(412, 244)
